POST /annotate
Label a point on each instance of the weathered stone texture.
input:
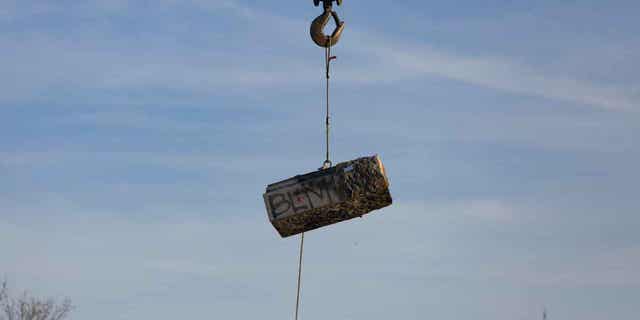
(348, 190)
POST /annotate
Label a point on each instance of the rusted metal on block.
(348, 190)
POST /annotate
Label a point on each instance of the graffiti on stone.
(302, 196)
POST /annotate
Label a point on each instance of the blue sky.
(137, 137)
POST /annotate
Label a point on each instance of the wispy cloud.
(481, 210)
(504, 75)
(40, 62)
(616, 267)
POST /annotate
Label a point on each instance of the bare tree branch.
(27, 307)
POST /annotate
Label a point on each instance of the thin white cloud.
(407, 61)
(170, 160)
(95, 255)
(617, 267)
(483, 210)
(38, 63)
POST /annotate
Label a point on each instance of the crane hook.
(318, 24)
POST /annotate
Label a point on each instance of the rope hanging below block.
(299, 273)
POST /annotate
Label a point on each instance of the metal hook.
(318, 24)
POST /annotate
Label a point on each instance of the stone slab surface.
(348, 190)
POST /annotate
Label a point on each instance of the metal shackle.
(319, 23)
